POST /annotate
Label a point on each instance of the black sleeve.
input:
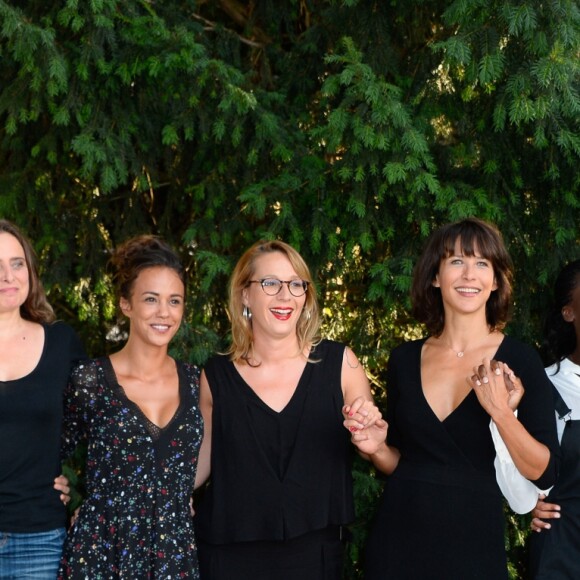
(536, 410)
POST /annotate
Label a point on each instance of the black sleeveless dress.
(281, 485)
(441, 514)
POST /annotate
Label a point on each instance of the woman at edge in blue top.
(36, 355)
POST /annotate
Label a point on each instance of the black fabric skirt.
(313, 556)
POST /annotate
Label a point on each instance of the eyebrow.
(275, 276)
(158, 294)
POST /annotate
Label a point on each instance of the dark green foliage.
(348, 128)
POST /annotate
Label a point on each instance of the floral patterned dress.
(135, 522)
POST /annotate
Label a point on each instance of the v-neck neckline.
(297, 390)
(468, 395)
(153, 429)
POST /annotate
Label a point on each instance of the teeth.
(160, 326)
(282, 311)
(468, 290)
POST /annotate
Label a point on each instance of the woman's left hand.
(61, 484)
(360, 414)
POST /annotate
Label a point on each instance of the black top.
(30, 426)
(277, 475)
(441, 515)
(135, 522)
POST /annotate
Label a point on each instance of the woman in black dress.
(280, 492)
(138, 412)
(441, 514)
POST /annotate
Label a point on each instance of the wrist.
(504, 415)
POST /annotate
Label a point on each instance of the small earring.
(247, 313)
(307, 314)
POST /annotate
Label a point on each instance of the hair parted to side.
(36, 307)
(473, 235)
(559, 334)
(137, 254)
(308, 325)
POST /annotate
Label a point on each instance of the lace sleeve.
(78, 397)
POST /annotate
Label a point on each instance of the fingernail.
(351, 414)
(497, 372)
(485, 380)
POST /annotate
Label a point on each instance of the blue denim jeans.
(34, 556)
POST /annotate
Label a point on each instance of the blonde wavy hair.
(307, 329)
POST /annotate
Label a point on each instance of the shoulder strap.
(564, 412)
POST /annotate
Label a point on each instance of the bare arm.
(206, 406)
(359, 409)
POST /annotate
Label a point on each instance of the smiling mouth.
(161, 327)
(281, 313)
(468, 290)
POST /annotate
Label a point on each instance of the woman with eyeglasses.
(281, 489)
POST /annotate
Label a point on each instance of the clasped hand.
(496, 386)
(364, 420)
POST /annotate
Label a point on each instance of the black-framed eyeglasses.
(272, 286)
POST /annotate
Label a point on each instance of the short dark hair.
(471, 233)
(137, 254)
(36, 307)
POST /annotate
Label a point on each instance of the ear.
(435, 282)
(125, 306)
(568, 314)
(494, 286)
(245, 300)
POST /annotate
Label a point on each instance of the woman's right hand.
(544, 511)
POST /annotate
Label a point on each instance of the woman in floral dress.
(138, 412)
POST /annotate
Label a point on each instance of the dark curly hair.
(137, 254)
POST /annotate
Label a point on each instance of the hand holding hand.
(514, 385)
(61, 484)
(360, 414)
(543, 511)
(370, 439)
(496, 386)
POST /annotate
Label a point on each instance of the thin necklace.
(458, 353)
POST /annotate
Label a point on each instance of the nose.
(285, 290)
(468, 269)
(6, 273)
(163, 309)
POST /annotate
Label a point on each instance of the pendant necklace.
(459, 353)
